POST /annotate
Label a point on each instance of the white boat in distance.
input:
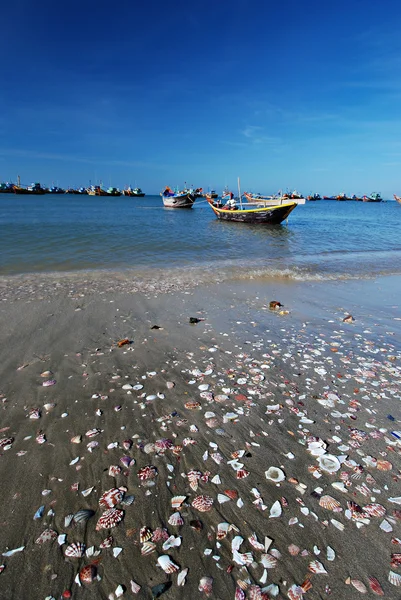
(274, 200)
(184, 199)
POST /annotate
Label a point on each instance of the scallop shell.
(114, 470)
(87, 574)
(329, 463)
(148, 472)
(107, 542)
(148, 548)
(172, 542)
(268, 561)
(330, 503)
(242, 473)
(110, 498)
(176, 520)
(384, 465)
(135, 587)
(293, 550)
(193, 478)
(160, 534)
(177, 501)
(394, 578)
(127, 444)
(206, 585)
(202, 503)
(4, 442)
(374, 510)
(46, 536)
(77, 439)
(110, 518)
(82, 516)
(145, 534)
(167, 564)
(316, 567)
(75, 550)
(275, 474)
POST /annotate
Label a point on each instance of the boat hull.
(181, 201)
(133, 194)
(269, 215)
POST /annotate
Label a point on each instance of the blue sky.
(297, 94)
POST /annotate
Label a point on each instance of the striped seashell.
(375, 586)
(206, 585)
(330, 503)
(172, 542)
(316, 567)
(107, 542)
(242, 473)
(6, 442)
(135, 587)
(92, 432)
(163, 444)
(394, 578)
(293, 550)
(87, 574)
(68, 520)
(41, 438)
(395, 560)
(114, 470)
(359, 585)
(145, 534)
(160, 535)
(193, 478)
(110, 498)
(148, 548)
(109, 519)
(384, 465)
(167, 564)
(295, 592)
(222, 530)
(193, 405)
(148, 472)
(268, 561)
(176, 519)
(75, 550)
(239, 594)
(253, 540)
(177, 501)
(374, 510)
(82, 516)
(202, 503)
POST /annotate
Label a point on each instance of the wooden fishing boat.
(173, 199)
(136, 192)
(398, 198)
(273, 200)
(265, 215)
(35, 189)
(211, 195)
(374, 197)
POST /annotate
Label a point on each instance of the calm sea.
(322, 240)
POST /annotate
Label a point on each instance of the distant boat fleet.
(93, 190)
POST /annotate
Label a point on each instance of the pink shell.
(49, 382)
(193, 478)
(148, 472)
(114, 470)
(206, 585)
(110, 518)
(111, 498)
(375, 586)
(75, 550)
(160, 535)
(107, 542)
(330, 503)
(375, 510)
(6, 442)
(202, 503)
(46, 536)
(163, 444)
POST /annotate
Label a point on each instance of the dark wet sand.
(256, 358)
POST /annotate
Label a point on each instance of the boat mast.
(239, 194)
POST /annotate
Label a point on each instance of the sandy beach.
(256, 449)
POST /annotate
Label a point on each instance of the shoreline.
(271, 384)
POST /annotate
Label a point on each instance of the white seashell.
(385, 526)
(221, 498)
(394, 578)
(92, 552)
(316, 567)
(396, 500)
(61, 539)
(203, 387)
(127, 386)
(176, 519)
(135, 587)
(167, 564)
(216, 479)
(338, 485)
(337, 524)
(119, 591)
(329, 463)
(330, 553)
(172, 542)
(275, 510)
(137, 386)
(181, 577)
(117, 551)
(275, 474)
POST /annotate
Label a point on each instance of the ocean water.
(322, 240)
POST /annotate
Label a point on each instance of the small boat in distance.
(35, 189)
(136, 192)
(374, 197)
(211, 195)
(273, 200)
(96, 190)
(313, 197)
(251, 212)
(398, 198)
(177, 199)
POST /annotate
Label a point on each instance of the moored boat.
(135, 192)
(313, 197)
(211, 195)
(176, 199)
(96, 190)
(266, 215)
(35, 189)
(273, 200)
(374, 197)
(6, 188)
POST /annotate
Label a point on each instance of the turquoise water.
(324, 239)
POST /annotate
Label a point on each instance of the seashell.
(330, 553)
(68, 520)
(107, 542)
(148, 472)
(222, 530)
(193, 478)
(295, 592)
(374, 510)
(49, 382)
(34, 413)
(253, 540)
(6, 443)
(75, 550)
(176, 519)
(49, 406)
(177, 501)
(117, 551)
(275, 510)
(149, 448)
(385, 526)
(167, 564)
(170, 385)
(127, 444)
(87, 492)
(242, 473)
(329, 463)
(316, 567)
(82, 516)
(127, 461)
(196, 524)
(384, 465)
(46, 374)
(41, 438)
(92, 552)
(148, 548)
(203, 387)
(114, 470)
(110, 498)
(127, 500)
(172, 542)
(330, 503)
(119, 591)
(358, 585)
(232, 494)
(202, 503)
(293, 550)
(268, 561)
(275, 474)
(163, 444)
(206, 585)
(87, 574)
(39, 513)
(193, 405)
(375, 586)
(110, 518)
(76, 439)
(181, 577)
(145, 534)
(46, 536)
(239, 594)
(337, 524)
(135, 587)
(394, 578)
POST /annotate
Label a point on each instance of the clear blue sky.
(301, 94)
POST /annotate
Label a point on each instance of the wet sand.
(278, 389)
